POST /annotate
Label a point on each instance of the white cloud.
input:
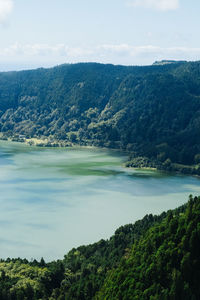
(148, 53)
(48, 55)
(33, 51)
(162, 5)
(6, 7)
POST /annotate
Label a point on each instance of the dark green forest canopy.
(153, 111)
(163, 264)
(158, 257)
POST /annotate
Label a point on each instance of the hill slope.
(158, 257)
(153, 111)
(164, 264)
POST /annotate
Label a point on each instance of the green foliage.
(87, 266)
(20, 280)
(23, 280)
(155, 258)
(151, 111)
(164, 264)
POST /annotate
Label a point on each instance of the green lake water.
(54, 199)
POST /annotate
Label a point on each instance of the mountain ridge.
(153, 111)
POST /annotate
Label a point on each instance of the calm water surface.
(52, 200)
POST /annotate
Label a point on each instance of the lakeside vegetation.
(152, 112)
(158, 257)
(146, 163)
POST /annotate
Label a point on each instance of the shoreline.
(53, 143)
(136, 164)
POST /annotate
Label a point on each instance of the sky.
(45, 33)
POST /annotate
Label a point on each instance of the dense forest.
(153, 112)
(158, 257)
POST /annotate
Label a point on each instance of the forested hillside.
(158, 257)
(164, 264)
(153, 112)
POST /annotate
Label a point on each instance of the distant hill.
(165, 62)
(153, 111)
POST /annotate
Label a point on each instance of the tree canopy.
(157, 257)
(153, 111)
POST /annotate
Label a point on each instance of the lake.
(54, 199)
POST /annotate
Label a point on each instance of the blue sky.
(44, 33)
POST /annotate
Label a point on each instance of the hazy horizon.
(21, 67)
(123, 32)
